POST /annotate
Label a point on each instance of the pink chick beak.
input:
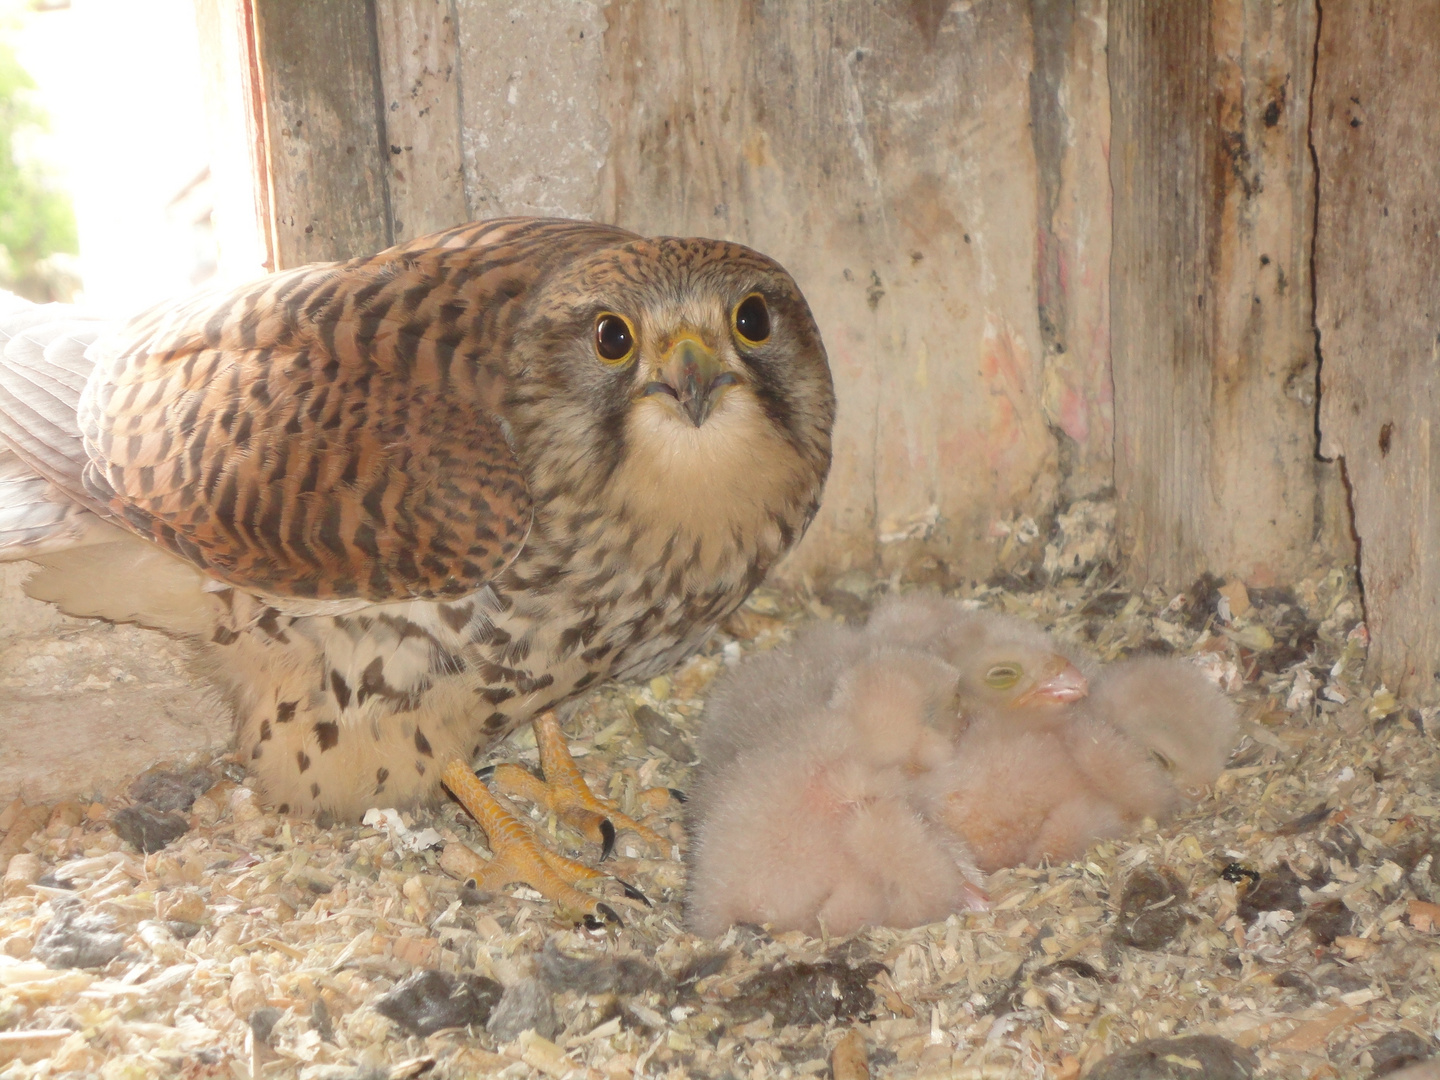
(1060, 684)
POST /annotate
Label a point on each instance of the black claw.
(485, 772)
(607, 838)
(592, 923)
(633, 893)
(678, 795)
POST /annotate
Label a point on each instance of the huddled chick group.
(872, 776)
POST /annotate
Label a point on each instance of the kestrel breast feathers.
(405, 503)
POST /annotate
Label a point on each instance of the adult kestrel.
(408, 502)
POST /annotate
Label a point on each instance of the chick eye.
(1163, 761)
(1002, 676)
(614, 338)
(752, 319)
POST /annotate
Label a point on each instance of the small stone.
(1196, 1057)
(528, 1005)
(147, 829)
(74, 938)
(428, 1001)
(1152, 909)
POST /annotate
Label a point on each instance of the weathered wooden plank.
(1213, 350)
(534, 137)
(1377, 265)
(420, 73)
(319, 61)
(1070, 126)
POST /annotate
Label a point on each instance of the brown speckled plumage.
(404, 502)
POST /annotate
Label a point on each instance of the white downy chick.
(1151, 735)
(817, 825)
(758, 699)
(1184, 724)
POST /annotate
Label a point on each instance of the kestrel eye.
(1002, 676)
(1163, 761)
(614, 338)
(752, 319)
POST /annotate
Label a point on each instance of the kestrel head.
(678, 380)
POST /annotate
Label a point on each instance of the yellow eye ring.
(751, 319)
(1002, 676)
(614, 339)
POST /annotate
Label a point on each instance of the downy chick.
(817, 824)
(1168, 707)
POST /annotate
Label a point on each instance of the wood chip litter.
(256, 945)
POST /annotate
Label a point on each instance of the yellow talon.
(516, 854)
(564, 790)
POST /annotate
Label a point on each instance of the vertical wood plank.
(325, 129)
(1162, 150)
(1070, 126)
(1377, 264)
(420, 74)
(1213, 347)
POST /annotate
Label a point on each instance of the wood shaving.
(257, 945)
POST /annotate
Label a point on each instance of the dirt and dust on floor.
(1289, 926)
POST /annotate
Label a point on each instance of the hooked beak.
(1060, 683)
(693, 376)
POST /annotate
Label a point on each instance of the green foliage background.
(36, 219)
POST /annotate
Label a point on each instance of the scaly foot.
(517, 855)
(565, 792)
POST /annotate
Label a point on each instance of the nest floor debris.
(1293, 917)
